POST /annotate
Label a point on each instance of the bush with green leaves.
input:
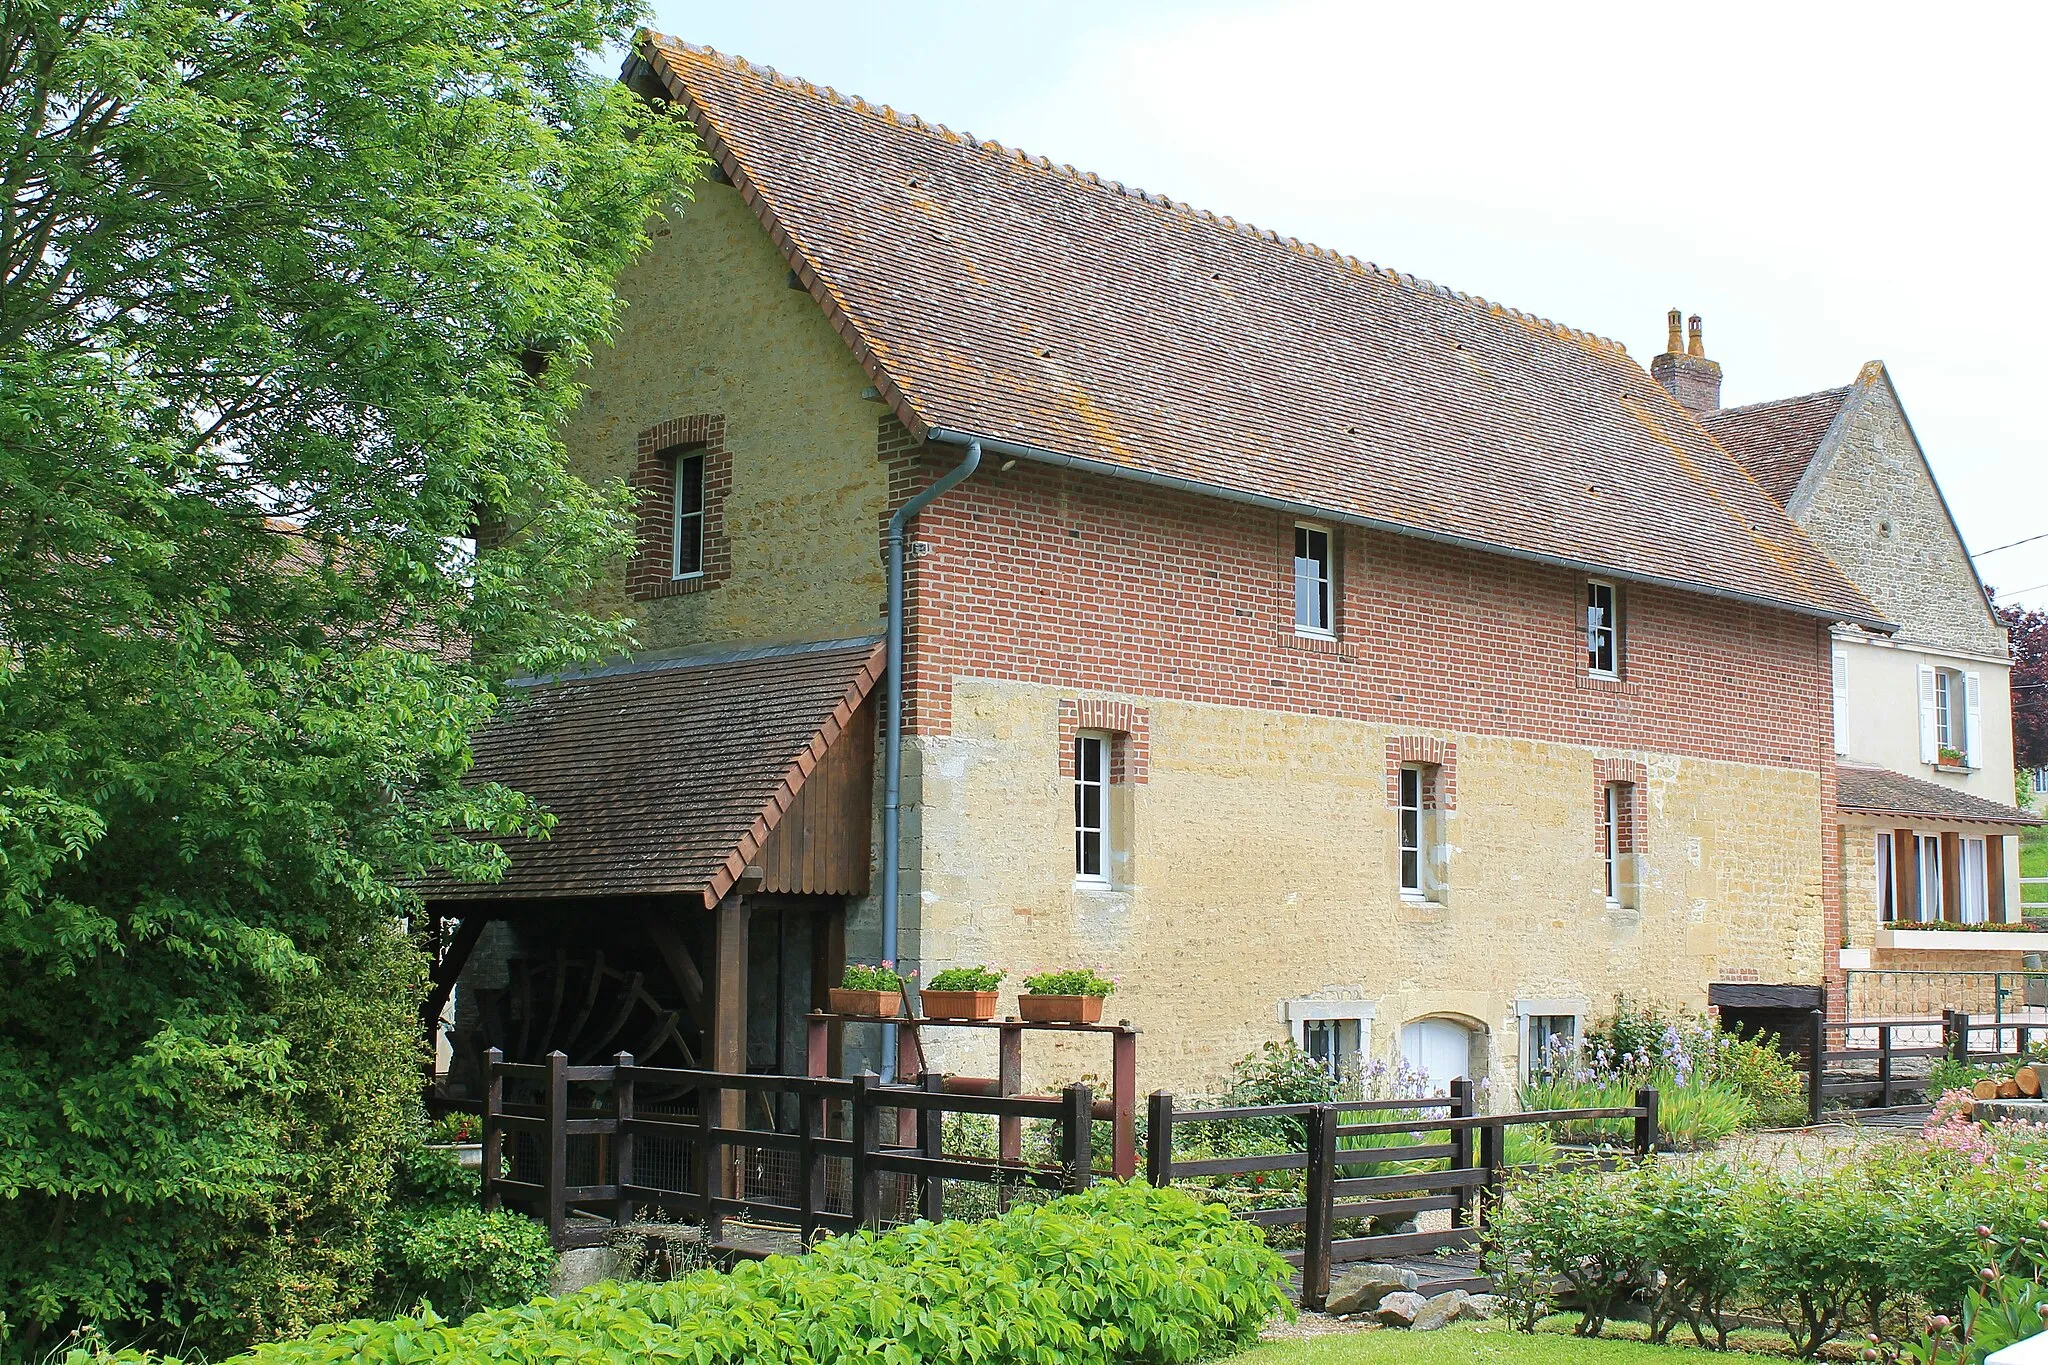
(1119, 1273)
(436, 1246)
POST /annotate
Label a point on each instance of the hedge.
(1121, 1273)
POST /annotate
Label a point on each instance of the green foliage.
(1121, 1273)
(292, 297)
(457, 1259)
(1073, 981)
(1576, 1225)
(862, 977)
(979, 978)
(1762, 1074)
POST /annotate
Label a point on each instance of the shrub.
(1073, 981)
(979, 978)
(1689, 1220)
(1763, 1075)
(1120, 1273)
(460, 1259)
(1580, 1226)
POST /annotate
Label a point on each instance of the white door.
(1440, 1049)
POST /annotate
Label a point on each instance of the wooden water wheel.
(585, 1008)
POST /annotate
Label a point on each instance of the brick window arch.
(663, 449)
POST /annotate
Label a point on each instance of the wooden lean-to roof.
(994, 294)
(668, 776)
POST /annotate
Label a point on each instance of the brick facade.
(1438, 759)
(1129, 727)
(650, 573)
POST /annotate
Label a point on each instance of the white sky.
(1824, 184)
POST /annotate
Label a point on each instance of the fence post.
(1492, 1142)
(1159, 1140)
(1646, 1122)
(867, 1135)
(1462, 1106)
(1884, 1066)
(1322, 1171)
(494, 1136)
(810, 1172)
(931, 1140)
(1123, 1080)
(1959, 1042)
(1816, 1067)
(710, 1157)
(557, 1144)
(1077, 1136)
(622, 1136)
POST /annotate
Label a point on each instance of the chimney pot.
(1696, 345)
(1684, 369)
(1672, 340)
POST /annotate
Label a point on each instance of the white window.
(1312, 580)
(1603, 630)
(1927, 851)
(1887, 909)
(1975, 888)
(1841, 672)
(1951, 717)
(1411, 831)
(1332, 1042)
(1548, 1042)
(686, 554)
(1610, 839)
(1091, 809)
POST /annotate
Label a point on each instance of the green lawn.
(2034, 863)
(1490, 1341)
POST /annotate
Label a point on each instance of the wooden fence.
(1961, 1037)
(838, 1130)
(1472, 1152)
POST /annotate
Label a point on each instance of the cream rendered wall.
(1883, 713)
(711, 326)
(1261, 868)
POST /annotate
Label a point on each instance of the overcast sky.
(1824, 184)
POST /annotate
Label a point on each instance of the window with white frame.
(1091, 808)
(1974, 885)
(1927, 858)
(1887, 899)
(1951, 717)
(1414, 780)
(1603, 629)
(1610, 839)
(1548, 1042)
(686, 551)
(1334, 1032)
(1312, 612)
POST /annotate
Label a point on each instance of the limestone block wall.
(711, 329)
(1259, 866)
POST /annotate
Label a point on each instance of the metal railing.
(1998, 997)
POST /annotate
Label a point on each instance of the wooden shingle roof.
(666, 776)
(994, 294)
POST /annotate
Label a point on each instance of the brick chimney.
(1684, 369)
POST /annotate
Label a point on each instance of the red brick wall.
(1047, 576)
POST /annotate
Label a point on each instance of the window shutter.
(1930, 747)
(1973, 720)
(1841, 701)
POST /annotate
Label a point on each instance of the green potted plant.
(961, 993)
(1953, 758)
(1073, 996)
(869, 992)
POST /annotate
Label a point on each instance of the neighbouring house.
(1922, 714)
(1320, 652)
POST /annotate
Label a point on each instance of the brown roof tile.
(1775, 441)
(666, 776)
(992, 293)
(1880, 791)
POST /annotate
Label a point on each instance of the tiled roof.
(1775, 441)
(1880, 791)
(666, 776)
(994, 293)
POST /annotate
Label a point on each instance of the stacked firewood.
(2023, 1084)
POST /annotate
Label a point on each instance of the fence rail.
(1955, 1035)
(1474, 1164)
(716, 1166)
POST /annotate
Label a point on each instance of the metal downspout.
(892, 748)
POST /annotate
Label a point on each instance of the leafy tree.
(2029, 685)
(293, 296)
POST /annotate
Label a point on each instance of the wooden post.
(1646, 1122)
(1322, 1174)
(557, 1111)
(494, 1136)
(1010, 1080)
(1905, 876)
(1159, 1140)
(931, 1141)
(810, 1171)
(729, 1028)
(1994, 883)
(1462, 1106)
(1123, 1093)
(1492, 1139)
(710, 1162)
(909, 1063)
(1077, 1136)
(622, 1138)
(1816, 1067)
(1959, 1039)
(867, 1137)
(1884, 1066)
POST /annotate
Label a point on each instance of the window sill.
(1093, 884)
(1314, 642)
(1613, 686)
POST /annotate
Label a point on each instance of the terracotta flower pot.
(1060, 1009)
(867, 1004)
(958, 1004)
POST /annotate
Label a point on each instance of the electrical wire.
(2011, 545)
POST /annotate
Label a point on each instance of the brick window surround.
(1628, 774)
(1438, 759)
(650, 572)
(1130, 729)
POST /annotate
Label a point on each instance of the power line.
(2012, 546)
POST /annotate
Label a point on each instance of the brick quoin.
(1130, 730)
